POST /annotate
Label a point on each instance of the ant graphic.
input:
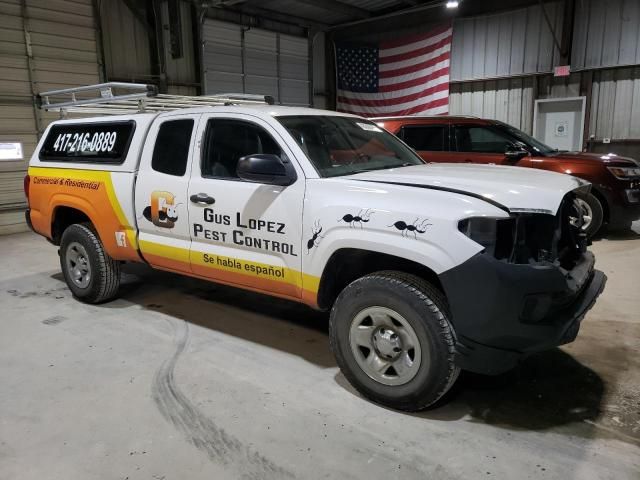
(315, 230)
(362, 217)
(415, 227)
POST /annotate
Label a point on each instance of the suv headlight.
(496, 235)
(625, 173)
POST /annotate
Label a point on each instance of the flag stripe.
(432, 108)
(421, 84)
(403, 81)
(388, 109)
(402, 42)
(384, 102)
(419, 80)
(415, 56)
(410, 47)
(416, 67)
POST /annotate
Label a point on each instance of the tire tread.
(435, 301)
(107, 274)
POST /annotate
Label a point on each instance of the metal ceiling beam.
(402, 11)
(340, 7)
(226, 3)
(248, 9)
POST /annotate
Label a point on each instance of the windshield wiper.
(384, 167)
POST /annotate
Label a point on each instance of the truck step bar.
(116, 98)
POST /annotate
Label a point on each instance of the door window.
(480, 140)
(171, 150)
(424, 138)
(226, 141)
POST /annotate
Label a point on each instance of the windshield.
(528, 140)
(344, 145)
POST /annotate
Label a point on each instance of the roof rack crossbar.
(121, 97)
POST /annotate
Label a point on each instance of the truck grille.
(539, 238)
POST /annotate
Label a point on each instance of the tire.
(408, 300)
(593, 209)
(91, 274)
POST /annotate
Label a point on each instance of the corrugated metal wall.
(294, 70)
(251, 60)
(222, 56)
(508, 100)
(616, 102)
(44, 44)
(506, 44)
(128, 52)
(123, 32)
(606, 34)
(560, 87)
(319, 80)
(182, 75)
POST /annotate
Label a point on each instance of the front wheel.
(391, 335)
(592, 214)
(91, 274)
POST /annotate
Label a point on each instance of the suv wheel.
(91, 274)
(593, 214)
(391, 336)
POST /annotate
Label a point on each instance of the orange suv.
(614, 197)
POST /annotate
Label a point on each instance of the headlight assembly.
(496, 235)
(625, 173)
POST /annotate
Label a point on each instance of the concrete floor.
(181, 379)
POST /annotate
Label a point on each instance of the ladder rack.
(116, 98)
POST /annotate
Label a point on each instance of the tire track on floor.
(199, 430)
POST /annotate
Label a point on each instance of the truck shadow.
(550, 389)
(617, 235)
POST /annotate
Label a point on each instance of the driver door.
(242, 233)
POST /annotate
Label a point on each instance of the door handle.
(202, 199)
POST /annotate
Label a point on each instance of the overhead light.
(453, 4)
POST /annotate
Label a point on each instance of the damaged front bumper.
(503, 311)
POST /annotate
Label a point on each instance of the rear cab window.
(171, 151)
(96, 142)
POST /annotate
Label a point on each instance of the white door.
(559, 123)
(245, 234)
(161, 193)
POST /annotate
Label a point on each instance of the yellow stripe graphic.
(92, 176)
(249, 268)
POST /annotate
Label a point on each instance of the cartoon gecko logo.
(162, 211)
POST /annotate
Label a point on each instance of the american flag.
(402, 77)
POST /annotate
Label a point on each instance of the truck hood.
(515, 189)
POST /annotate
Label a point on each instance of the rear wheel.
(593, 213)
(91, 274)
(391, 336)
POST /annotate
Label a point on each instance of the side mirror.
(515, 154)
(266, 168)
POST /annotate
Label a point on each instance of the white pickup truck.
(426, 268)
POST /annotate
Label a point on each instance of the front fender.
(414, 224)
